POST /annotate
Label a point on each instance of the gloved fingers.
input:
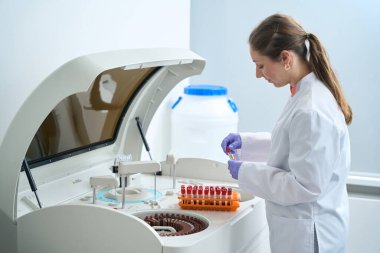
(234, 146)
(233, 141)
(224, 144)
(234, 167)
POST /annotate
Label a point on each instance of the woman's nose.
(259, 73)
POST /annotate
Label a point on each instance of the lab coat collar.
(306, 79)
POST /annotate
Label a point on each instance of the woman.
(301, 168)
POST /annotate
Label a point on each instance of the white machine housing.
(64, 224)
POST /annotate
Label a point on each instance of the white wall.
(364, 224)
(39, 36)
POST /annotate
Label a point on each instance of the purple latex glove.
(233, 141)
(234, 167)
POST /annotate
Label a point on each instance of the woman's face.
(273, 71)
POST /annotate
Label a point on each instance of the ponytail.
(321, 66)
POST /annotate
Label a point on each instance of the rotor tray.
(174, 224)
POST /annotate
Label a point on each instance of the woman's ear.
(286, 57)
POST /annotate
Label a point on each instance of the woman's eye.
(260, 66)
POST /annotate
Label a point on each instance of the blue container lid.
(205, 90)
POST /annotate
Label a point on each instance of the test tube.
(189, 189)
(217, 191)
(229, 195)
(183, 193)
(200, 193)
(224, 193)
(212, 195)
(195, 194)
(206, 197)
(230, 155)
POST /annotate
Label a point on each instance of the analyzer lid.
(90, 103)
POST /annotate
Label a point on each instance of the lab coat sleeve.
(255, 146)
(314, 150)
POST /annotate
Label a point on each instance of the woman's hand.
(233, 141)
(234, 167)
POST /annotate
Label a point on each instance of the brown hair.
(280, 32)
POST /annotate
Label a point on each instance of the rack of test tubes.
(208, 198)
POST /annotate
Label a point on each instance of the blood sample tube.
(230, 155)
(188, 191)
(205, 195)
(224, 195)
(217, 191)
(229, 195)
(195, 194)
(212, 195)
(183, 193)
(200, 193)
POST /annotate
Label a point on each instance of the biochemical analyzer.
(78, 138)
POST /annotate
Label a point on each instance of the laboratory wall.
(39, 36)
(350, 32)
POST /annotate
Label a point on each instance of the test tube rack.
(213, 198)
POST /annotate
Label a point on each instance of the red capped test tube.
(217, 191)
(183, 193)
(205, 196)
(212, 195)
(188, 191)
(224, 195)
(195, 194)
(229, 194)
(230, 155)
(200, 193)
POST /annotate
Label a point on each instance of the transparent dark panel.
(87, 120)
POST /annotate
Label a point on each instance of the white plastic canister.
(200, 119)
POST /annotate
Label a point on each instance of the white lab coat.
(304, 178)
